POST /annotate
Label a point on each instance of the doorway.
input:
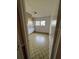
(40, 21)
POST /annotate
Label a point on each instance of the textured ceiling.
(42, 7)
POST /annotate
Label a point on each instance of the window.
(40, 23)
(37, 23)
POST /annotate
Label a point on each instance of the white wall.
(30, 26)
(45, 28)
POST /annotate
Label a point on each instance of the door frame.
(23, 30)
(57, 35)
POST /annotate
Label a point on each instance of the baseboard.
(41, 32)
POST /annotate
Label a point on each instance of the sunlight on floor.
(39, 46)
(40, 39)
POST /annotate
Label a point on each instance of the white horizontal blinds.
(43, 23)
(40, 23)
(37, 23)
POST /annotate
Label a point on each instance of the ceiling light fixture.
(35, 12)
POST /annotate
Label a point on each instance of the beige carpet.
(39, 46)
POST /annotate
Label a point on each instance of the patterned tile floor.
(39, 46)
